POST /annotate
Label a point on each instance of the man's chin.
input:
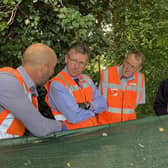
(127, 75)
(74, 75)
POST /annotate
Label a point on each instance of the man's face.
(47, 71)
(130, 66)
(76, 63)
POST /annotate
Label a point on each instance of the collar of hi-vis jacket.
(119, 68)
(84, 94)
(28, 81)
(83, 79)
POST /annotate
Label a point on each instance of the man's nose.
(77, 64)
(128, 68)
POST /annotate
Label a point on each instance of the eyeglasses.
(73, 61)
(132, 66)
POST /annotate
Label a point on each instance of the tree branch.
(13, 14)
(61, 3)
(5, 12)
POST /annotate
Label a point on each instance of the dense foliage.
(110, 27)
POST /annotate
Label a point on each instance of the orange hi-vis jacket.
(81, 95)
(8, 123)
(121, 102)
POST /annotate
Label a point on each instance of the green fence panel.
(140, 143)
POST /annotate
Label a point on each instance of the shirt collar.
(65, 70)
(27, 79)
(120, 70)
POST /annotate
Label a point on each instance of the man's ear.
(43, 67)
(87, 62)
(66, 59)
(139, 68)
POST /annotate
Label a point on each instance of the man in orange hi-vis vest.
(72, 96)
(18, 94)
(124, 88)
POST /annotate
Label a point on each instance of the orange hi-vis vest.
(8, 123)
(121, 102)
(81, 95)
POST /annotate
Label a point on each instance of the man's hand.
(64, 127)
(85, 106)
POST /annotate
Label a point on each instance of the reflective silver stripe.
(70, 88)
(10, 118)
(59, 76)
(132, 88)
(106, 85)
(4, 135)
(105, 81)
(139, 89)
(128, 111)
(118, 71)
(75, 87)
(29, 96)
(6, 123)
(118, 110)
(114, 86)
(27, 93)
(105, 75)
(60, 117)
(88, 83)
(114, 110)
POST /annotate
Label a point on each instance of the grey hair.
(138, 55)
(81, 47)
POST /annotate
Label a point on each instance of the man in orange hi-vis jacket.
(18, 94)
(72, 95)
(124, 88)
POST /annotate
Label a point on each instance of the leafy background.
(110, 27)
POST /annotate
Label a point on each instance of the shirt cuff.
(64, 128)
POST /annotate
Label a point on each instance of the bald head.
(39, 62)
(38, 53)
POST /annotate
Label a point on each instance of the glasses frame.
(132, 66)
(80, 63)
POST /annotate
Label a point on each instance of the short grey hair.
(138, 55)
(80, 47)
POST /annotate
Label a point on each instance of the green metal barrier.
(140, 143)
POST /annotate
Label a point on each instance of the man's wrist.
(64, 127)
(86, 106)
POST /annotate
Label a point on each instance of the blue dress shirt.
(60, 99)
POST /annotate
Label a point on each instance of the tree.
(110, 27)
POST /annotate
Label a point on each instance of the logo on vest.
(83, 80)
(114, 92)
(132, 84)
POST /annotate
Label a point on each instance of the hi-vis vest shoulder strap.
(71, 85)
(8, 123)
